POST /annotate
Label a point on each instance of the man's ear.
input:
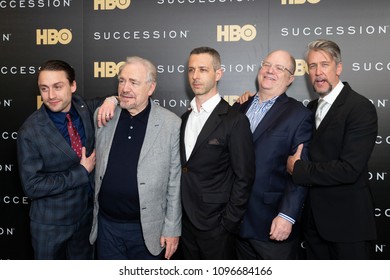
(152, 88)
(73, 86)
(219, 74)
(339, 69)
(291, 80)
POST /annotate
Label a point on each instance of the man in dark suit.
(57, 179)
(279, 124)
(339, 213)
(217, 164)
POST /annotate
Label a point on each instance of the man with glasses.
(279, 124)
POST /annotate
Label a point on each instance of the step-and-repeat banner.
(95, 36)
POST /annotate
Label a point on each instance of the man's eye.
(279, 68)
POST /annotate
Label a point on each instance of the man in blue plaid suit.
(58, 182)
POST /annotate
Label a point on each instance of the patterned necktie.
(320, 111)
(75, 140)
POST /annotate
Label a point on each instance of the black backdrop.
(95, 36)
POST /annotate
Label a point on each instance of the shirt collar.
(60, 117)
(331, 96)
(207, 106)
(142, 116)
(257, 99)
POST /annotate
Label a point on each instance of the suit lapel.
(271, 116)
(333, 110)
(84, 114)
(152, 131)
(212, 122)
(50, 131)
(245, 106)
(184, 120)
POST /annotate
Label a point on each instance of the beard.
(127, 103)
(323, 91)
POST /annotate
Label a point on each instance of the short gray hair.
(150, 68)
(327, 46)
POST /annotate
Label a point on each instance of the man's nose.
(127, 87)
(195, 74)
(51, 93)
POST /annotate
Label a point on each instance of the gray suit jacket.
(158, 175)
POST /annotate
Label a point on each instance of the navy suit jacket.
(217, 178)
(286, 125)
(339, 195)
(50, 171)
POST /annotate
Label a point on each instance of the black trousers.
(250, 249)
(318, 248)
(215, 244)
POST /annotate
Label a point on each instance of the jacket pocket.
(213, 197)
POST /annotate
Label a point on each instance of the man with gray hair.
(137, 209)
(338, 220)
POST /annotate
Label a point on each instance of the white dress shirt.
(196, 121)
(329, 99)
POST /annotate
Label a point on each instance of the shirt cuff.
(288, 218)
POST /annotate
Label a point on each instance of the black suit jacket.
(339, 195)
(218, 176)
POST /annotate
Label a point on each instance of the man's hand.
(292, 159)
(171, 244)
(280, 229)
(243, 98)
(88, 162)
(106, 111)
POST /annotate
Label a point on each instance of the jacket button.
(185, 169)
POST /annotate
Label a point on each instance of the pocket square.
(214, 141)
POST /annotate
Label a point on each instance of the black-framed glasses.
(277, 67)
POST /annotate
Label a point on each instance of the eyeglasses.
(277, 67)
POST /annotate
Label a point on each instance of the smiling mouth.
(54, 102)
(270, 78)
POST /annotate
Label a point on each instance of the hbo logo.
(111, 4)
(298, 2)
(106, 69)
(234, 33)
(53, 36)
